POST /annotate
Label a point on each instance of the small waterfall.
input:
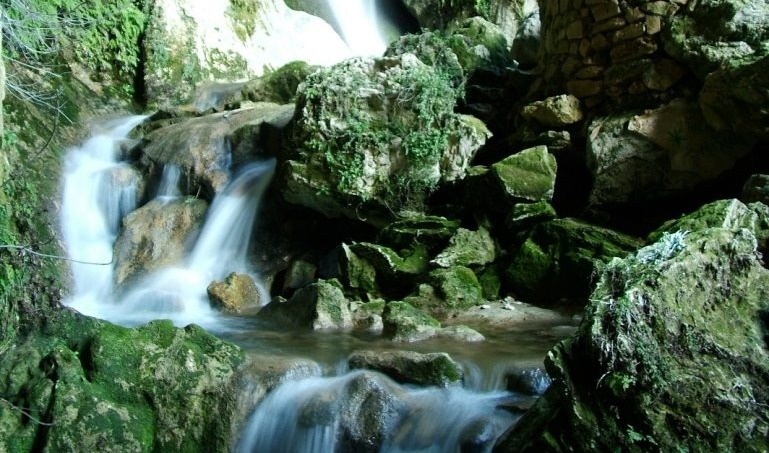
(169, 182)
(314, 414)
(359, 26)
(98, 192)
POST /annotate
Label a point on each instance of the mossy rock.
(431, 231)
(457, 287)
(467, 248)
(559, 260)
(404, 323)
(525, 215)
(409, 367)
(671, 355)
(96, 385)
(319, 306)
(525, 176)
(280, 85)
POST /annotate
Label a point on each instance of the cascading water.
(98, 191)
(169, 182)
(359, 26)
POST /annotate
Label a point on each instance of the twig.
(26, 249)
(25, 413)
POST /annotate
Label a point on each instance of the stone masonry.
(607, 50)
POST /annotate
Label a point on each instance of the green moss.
(526, 176)
(243, 14)
(458, 287)
(279, 85)
(431, 231)
(403, 322)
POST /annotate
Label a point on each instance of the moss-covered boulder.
(656, 153)
(350, 269)
(375, 136)
(733, 97)
(404, 323)
(559, 260)
(671, 355)
(278, 86)
(430, 231)
(156, 235)
(555, 111)
(319, 306)
(457, 287)
(715, 33)
(467, 248)
(730, 213)
(410, 367)
(233, 294)
(525, 176)
(525, 215)
(85, 385)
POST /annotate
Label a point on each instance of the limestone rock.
(190, 41)
(233, 294)
(555, 111)
(375, 136)
(648, 156)
(437, 368)
(457, 287)
(559, 258)
(404, 323)
(526, 176)
(320, 306)
(204, 148)
(467, 248)
(430, 231)
(669, 328)
(155, 235)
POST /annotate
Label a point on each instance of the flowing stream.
(333, 409)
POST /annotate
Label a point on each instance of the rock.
(530, 381)
(350, 269)
(525, 215)
(100, 386)
(278, 86)
(457, 287)
(406, 324)
(652, 155)
(409, 367)
(559, 259)
(461, 333)
(234, 293)
(555, 111)
(216, 97)
(526, 176)
(319, 306)
(667, 329)
(525, 48)
(156, 235)
(432, 16)
(467, 248)
(368, 315)
(733, 97)
(431, 231)
(509, 314)
(121, 188)
(299, 274)
(756, 188)
(731, 214)
(389, 263)
(205, 148)
(375, 136)
(715, 33)
(187, 42)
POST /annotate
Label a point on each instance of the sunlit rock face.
(188, 41)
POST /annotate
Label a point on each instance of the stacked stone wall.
(608, 50)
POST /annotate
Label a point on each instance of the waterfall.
(169, 182)
(98, 191)
(338, 413)
(359, 25)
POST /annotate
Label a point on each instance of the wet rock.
(319, 306)
(278, 86)
(457, 287)
(559, 259)
(409, 367)
(525, 215)
(467, 248)
(430, 231)
(205, 148)
(526, 176)
(217, 97)
(531, 381)
(509, 314)
(100, 386)
(652, 155)
(461, 333)
(556, 111)
(354, 158)
(235, 293)
(156, 235)
(756, 188)
(299, 274)
(350, 269)
(680, 323)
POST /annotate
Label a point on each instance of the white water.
(311, 415)
(99, 191)
(360, 26)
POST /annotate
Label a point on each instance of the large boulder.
(467, 248)
(156, 235)
(410, 367)
(528, 175)
(194, 40)
(205, 148)
(405, 324)
(86, 385)
(651, 155)
(375, 136)
(560, 258)
(671, 355)
(319, 306)
(233, 294)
